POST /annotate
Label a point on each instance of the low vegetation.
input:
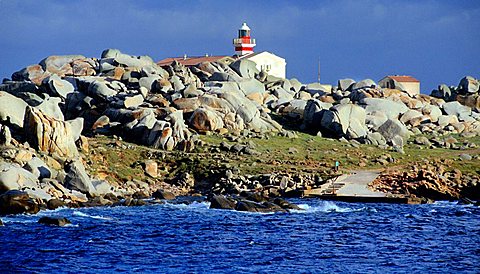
(119, 161)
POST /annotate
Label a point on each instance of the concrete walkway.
(353, 187)
(353, 184)
(356, 184)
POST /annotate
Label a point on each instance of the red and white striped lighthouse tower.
(244, 44)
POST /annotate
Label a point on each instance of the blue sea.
(327, 237)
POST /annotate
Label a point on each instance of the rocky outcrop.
(47, 106)
(50, 135)
(345, 120)
(12, 109)
(13, 177)
(17, 202)
(69, 65)
(313, 114)
(469, 84)
(432, 180)
(392, 128)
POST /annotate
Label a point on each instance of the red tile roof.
(403, 78)
(189, 61)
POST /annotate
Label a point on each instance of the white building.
(269, 62)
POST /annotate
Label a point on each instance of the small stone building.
(402, 82)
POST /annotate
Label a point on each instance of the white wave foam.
(328, 206)
(81, 214)
(194, 205)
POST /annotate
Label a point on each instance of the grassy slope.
(120, 161)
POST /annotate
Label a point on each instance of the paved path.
(356, 184)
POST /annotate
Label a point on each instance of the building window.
(266, 67)
(243, 33)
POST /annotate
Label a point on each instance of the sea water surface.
(326, 237)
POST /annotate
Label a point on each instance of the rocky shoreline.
(54, 114)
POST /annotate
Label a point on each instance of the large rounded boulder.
(345, 120)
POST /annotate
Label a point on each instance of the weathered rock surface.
(17, 202)
(346, 84)
(206, 120)
(78, 179)
(5, 136)
(390, 108)
(59, 87)
(75, 65)
(33, 73)
(430, 180)
(12, 109)
(38, 168)
(457, 109)
(245, 68)
(469, 84)
(392, 128)
(50, 106)
(345, 120)
(13, 177)
(313, 113)
(50, 135)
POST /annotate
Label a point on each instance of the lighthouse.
(244, 43)
(264, 61)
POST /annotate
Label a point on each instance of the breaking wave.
(82, 214)
(328, 206)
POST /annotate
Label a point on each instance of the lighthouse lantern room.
(244, 43)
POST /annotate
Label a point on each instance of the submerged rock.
(54, 221)
(222, 202)
(251, 206)
(251, 202)
(163, 195)
(55, 203)
(285, 204)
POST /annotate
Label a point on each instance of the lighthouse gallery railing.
(244, 41)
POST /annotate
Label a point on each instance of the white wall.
(272, 64)
(411, 88)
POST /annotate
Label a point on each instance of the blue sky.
(435, 41)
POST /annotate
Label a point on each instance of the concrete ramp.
(356, 184)
(353, 187)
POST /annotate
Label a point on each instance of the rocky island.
(118, 130)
